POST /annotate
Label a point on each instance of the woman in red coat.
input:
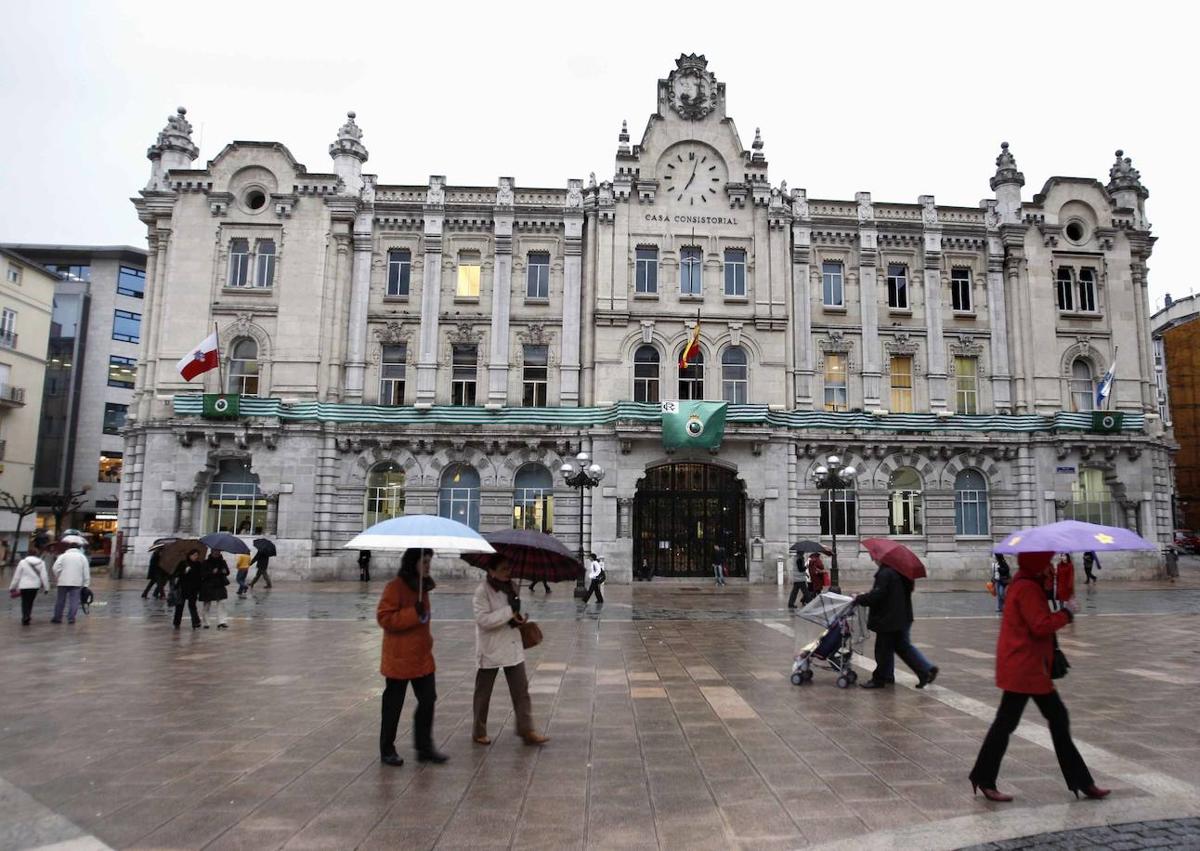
(403, 613)
(1024, 654)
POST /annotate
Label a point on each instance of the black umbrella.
(809, 547)
(225, 542)
(265, 546)
(531, 555)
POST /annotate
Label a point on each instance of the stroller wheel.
(852, 676)
(798, 678)
(843, 682)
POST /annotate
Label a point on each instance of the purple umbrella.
(1072, 536)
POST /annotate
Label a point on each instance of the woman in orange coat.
(403, 613)
(1024, 656)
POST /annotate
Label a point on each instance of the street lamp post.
(582, 476)
(829, 477)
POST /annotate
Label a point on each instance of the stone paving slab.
(1131, 836)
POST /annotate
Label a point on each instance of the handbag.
(14, 593)
(602, 577)
(531, 634)
(991, 588)
(1059, 666)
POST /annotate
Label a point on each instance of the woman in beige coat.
(498, 645)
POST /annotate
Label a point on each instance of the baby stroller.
(842, 626)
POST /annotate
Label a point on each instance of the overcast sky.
(898, 98)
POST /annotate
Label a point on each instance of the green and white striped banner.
(334, 412)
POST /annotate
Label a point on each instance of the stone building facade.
(442, 348)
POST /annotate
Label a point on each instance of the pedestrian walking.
(72, 571)
(595, 579)
(647, 572)
(155, 576)
(799, 582)
(1001, 575)
(890, 618)
(718, 563)
(29, 578)
(364, 565)
(1059, 581)
(403, 614)
(497, 610)
(187, 579)
(534, 584)
(818, 576)
(1091, 562)
(262, 558)
(1024, 662)
(1171, 563)
(241, 566)
(214, 577)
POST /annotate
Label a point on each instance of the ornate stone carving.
(464, 332)
(900, 344)
(647, 330)
(835, 342)
(574, 195)
(1006, 169)
(991, 218)
(535, 335)
(964, 345)
(800, 203)
(866, 211)
(692, 88)
(504, 192)
(1123, 175)
(929, 214)
(435, 195)
(349, 141)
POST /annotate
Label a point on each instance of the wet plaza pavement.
(673, 725)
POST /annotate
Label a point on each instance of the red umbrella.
(896, 556)
(533, 556)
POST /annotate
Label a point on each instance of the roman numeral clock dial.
(693, 175)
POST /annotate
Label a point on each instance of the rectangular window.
(647, 271)
(469, 269)
(462, 381)
(114, 417)
(735, 272)
(960, 290)
(691, 271)
(839, 513)
(537, 275)
(1087, 290)
(897, 286)
(264, 273)
(399, 271)
(8, 328)
(392, 363)
(121, 372)
(1065, 278)
(131, 282)
(902, 384)
(533, 508)
(239, 263)
(832, 284)
(127, 326)
(71, 273)
(966, 386)
(110, 466)
(835, 382)
(1091, 499)
(534, 378)
(14, 274)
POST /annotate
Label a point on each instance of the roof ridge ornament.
(1006, 169)
(623, 138)
(1123, 175)
(349, 140)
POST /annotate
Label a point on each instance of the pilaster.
(936, 347)
(572, 292)
(868, 250)
(502, 216)
(431, 291)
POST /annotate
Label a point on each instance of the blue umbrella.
(225, 542)
(420, 531)
(1072, 536)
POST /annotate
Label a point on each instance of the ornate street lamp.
(583, 476)
(829, 477)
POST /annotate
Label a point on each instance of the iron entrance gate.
(681, 511)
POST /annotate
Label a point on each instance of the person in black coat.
(214, 577)
(262, 558)
(364, 565)
(157, 579)
(187, 587)
(891, 617)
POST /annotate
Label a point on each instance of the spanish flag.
(693, 345)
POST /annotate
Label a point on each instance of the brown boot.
(535, 738)
(482, 740)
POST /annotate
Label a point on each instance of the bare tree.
(62, 503)
(22, 507)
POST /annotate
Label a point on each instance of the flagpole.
(220, 370)
(1112, 367)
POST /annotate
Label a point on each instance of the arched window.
(1091, 499)
(385, 493)
(970, 504)
(533, 499)
(691, 380)
(235, 503)
(905, 508)
(243, 367)
(645, 374)
(458, 494)
(839, 512)
(1083, 389)
(735, 382)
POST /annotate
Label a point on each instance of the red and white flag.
(201, 359)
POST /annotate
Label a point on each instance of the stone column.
(869, 300)
(935, 344)
(187, 503)
(360, 299)
(431, 292)
(501, 295)
(1145, 359)
(572, 293)
(804, 353)
(997, 309)
(1017, 299)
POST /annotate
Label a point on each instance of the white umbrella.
(420, 531)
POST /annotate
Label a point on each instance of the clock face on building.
(692, 175)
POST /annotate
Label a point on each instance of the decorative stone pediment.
(692, 88)
(835, 342)
(464, 332)
(535, 335)
(900, 344)
(393, 332)
(964, 345)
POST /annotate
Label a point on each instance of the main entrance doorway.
(681, 512)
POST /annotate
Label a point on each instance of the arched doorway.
(681, 511)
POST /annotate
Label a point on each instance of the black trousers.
(594, 588)
(799, 589)
(28, 595)
(190, 599)
(425, 690)
(1008, 716)
(364, 573)
(261, 573)
(157, 584)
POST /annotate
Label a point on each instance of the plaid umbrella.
(896, 556)
(533, 556)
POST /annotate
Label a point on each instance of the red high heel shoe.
(1093, 791)
(992, 794)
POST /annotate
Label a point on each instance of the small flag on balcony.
(1104, 388)
(693, 425)
(201, 359)
(221, 406)
(693, 345)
